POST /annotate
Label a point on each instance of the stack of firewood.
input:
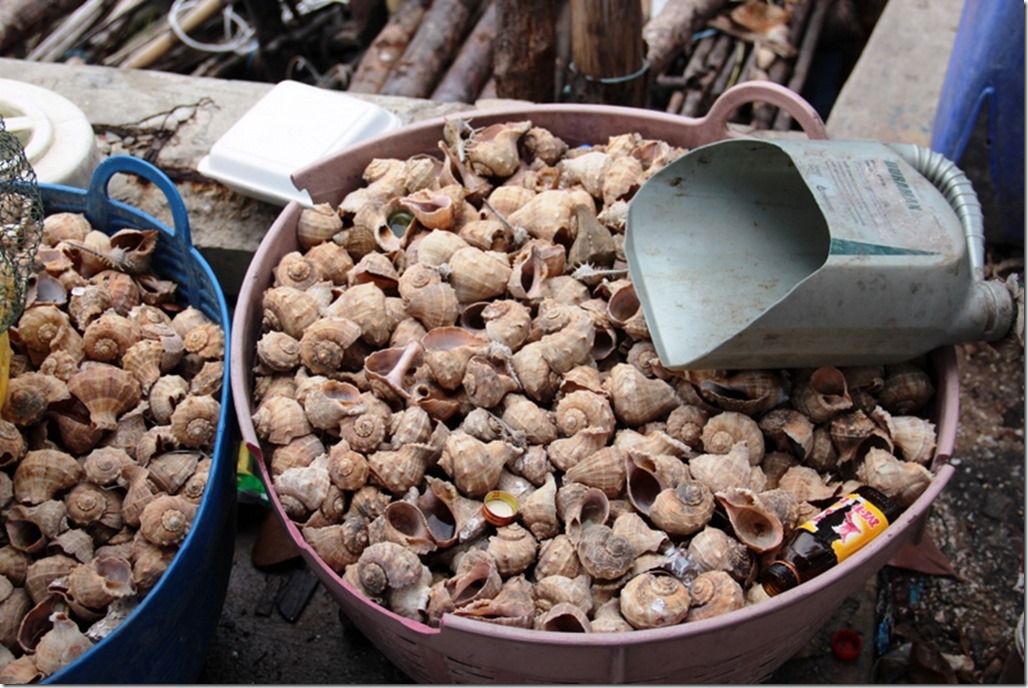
(675, 55)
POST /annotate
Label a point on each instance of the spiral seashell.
(29, 395)
(714, 593)
(549, 215)
(138, 493)
(566, 452)
(339, 544)
(194, 422)
(324, 343)
(726, 429)
(331, 402)
(752, 392)
(143, 359)
(486, 382)
(906, 389)
(375, 268)
(74, 542)
(165, 394)
(754, 524)
(385, 566)
(712, 549)
(913, 437)
(522, 414)
(435, 208)
(13, 444)
(824, 395)
(170, 470)
(604, 469)
(43, 571)
(588, 169)
(436, 248)
(721, 472)
(903, 481)
(364, 433)
(365, 305)
(507, 322)
(331, 261)
(791, 431)
(854, 433)
(625, 311)
(581, 507)
(539, 510)
(21, 670)
(806, 485)
(504, 200)
(652, 600)
(30, 528)
(584, 409)
(783, 505)
(108, 337)
(206, 341)
(295, 270)
(101, 581)
(537, 262)
(474, 466)
(405, 524)
(622, 179)
(60, 226)
(564, 617)
(447, 351)
(684, 509)
(317, 225)
(87, 504)
(43, 473)
(637, 531)
(61, 645)
(302, 489)
(289, 310)
(478, 275)
(493, 150)
(401, 469)
(280, 420)
(149, 562)
(513, 548)
(637, 399)
(13, 565)
(107, 391)
(557, 556)
(38, 325)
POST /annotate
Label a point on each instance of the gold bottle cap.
(500, 507)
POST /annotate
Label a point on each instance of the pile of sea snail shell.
(106, 435)
(465, 323)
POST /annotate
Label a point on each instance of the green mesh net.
(21, 225)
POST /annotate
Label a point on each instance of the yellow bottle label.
(848, 525)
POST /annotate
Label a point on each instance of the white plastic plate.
(292, 126)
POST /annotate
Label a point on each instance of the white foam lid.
(292, 126)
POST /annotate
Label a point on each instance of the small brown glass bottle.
(825, 540)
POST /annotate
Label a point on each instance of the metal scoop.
(754, 253)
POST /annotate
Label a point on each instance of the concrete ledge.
(893, 92)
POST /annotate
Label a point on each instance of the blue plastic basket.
(165, 639)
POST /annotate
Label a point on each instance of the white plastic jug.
(760, 253)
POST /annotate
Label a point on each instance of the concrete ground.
(279, 625)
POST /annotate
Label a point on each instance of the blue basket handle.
(98, 199)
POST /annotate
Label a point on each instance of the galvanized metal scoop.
(754, 253)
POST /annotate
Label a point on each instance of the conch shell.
(756, 525)
(684, 509)
(714, 593)
(903, 481)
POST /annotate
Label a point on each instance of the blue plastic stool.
(986, 72)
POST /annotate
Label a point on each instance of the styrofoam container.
(292, 126)
(743, 646)
(165, 638)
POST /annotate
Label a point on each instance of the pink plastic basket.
(744, 646)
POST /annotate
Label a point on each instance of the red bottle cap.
(846, 644)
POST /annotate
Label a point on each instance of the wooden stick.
(71, 30)
(607, 51)
(696, 98)
(431, 49)
(780, 69)
(783, 121)
(156, 49)
(21, 19)
(388, 47)
(670, 31)
(473, 65)
(525, 49)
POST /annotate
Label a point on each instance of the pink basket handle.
(715, 123)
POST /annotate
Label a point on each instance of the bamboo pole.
(166, 40)
(607, 52)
